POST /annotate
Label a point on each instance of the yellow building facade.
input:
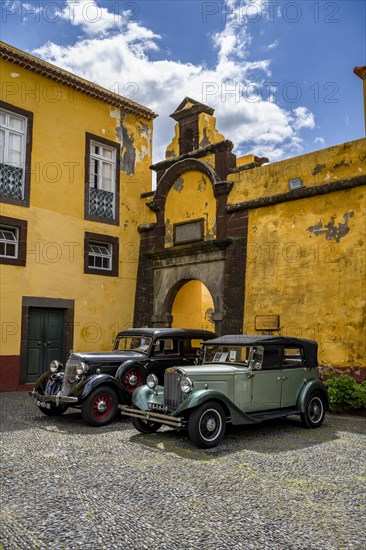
(74, 161)
(225, 243)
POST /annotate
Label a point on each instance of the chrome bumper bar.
(57, 399)
(153, 416)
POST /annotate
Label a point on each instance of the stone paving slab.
(66, 485)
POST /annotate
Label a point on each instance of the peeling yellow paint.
(173, 148)
(208, 134)
(296, 274)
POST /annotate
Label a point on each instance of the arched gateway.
(194, 237)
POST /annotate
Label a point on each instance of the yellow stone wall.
(208, 134)
(173, 148)
(56, 225)
(306, 258)
(320, 167)
(190, 198)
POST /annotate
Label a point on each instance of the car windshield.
(227, 354)
(136, 343)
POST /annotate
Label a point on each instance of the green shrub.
(345, 393)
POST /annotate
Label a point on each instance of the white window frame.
(6, 241)
(100, 160)
(100, 254)
(8, 130)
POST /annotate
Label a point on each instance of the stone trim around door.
(55, 303)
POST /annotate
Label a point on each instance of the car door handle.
(279, 378)
(284, 377)
(39, 343)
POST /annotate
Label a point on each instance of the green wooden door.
(45, 340)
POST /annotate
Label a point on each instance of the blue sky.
(278, 73)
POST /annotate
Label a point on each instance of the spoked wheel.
(100, 407)
(132, 379)
(314, 414)
(207, 425)
(145, 426)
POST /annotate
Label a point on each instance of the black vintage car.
(97, 382)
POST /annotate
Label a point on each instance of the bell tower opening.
(193, 307)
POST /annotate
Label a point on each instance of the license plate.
(157, 407)
(43, 405)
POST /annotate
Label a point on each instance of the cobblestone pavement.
(66, 485)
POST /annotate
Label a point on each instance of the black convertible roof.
(310, 347)
(168, 332)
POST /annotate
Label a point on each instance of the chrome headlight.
(186, 384)
(81, 368)
(152, 381)
(55, 366)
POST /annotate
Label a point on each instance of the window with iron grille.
(13, 130)
(102, 180)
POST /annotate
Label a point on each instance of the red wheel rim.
(132, 380)
(101, 405)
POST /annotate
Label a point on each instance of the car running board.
(273, 414)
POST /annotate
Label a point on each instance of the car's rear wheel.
(53, 410)
(100, 407)
(145, 426)
(314, 414)
(207, 425)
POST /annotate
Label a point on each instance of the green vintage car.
(242, 380)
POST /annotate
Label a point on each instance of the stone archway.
(217, 259)
(169, 277)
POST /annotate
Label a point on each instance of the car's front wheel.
(100, 407)
(207, 425)
(145, 426)
(314, 413)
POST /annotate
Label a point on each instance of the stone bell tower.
(195, 128)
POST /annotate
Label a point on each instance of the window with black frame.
(15, 154)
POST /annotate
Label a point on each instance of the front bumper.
(176, 422)
(56, 399)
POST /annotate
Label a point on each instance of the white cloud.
(273, 45)
(115, 53)
(303, 118)
(319, 140)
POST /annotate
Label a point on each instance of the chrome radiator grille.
(173, 395)
(69, 381)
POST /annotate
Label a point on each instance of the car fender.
(143, 395)
(201, 396)
(42, 380)
(309, 387)
(84, 388)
